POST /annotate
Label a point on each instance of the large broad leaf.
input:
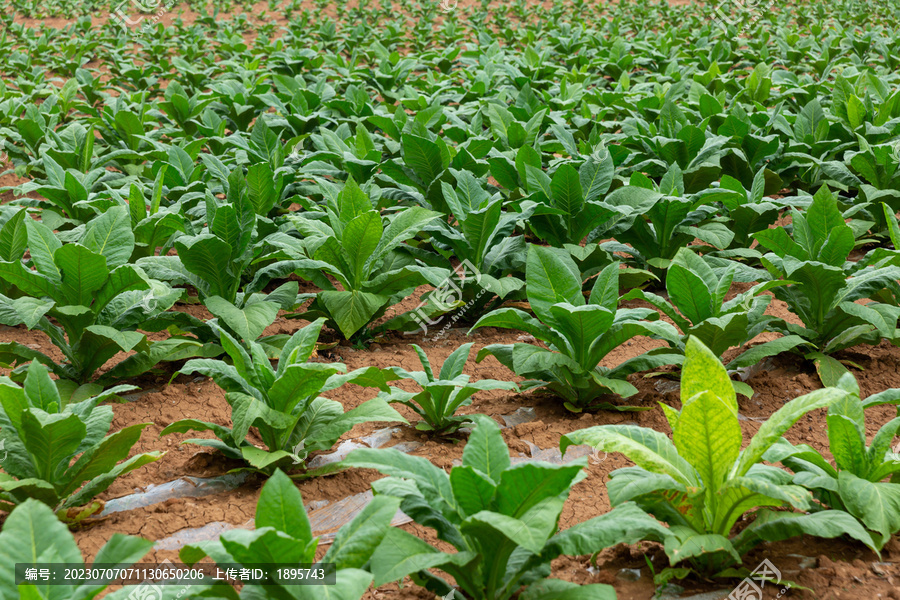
(82, 271)
(486, 452)
(401, 553)
(480, 227)
(759, 352)
(248, 322)
(33, 284)
(684, 543)
(876, 504)
(626, 524)
(99, 484)
(566, 190)
(352, 310)
(50, 439)
(360, 238)
(30, 532)
(649, 449)
(43, 244)
(708, 434)
(402, 227)
(433, 482)
(297, 383)
(473, 490)
(375, 409)
(550, 280)
(422, 156)
(209, 258)
(356, 541)
(103, 457)
(492, 527)
(281, 506)
(582, 326)
(40, 391)
(120, 550)
(689, 293)
(774, 526)
(300, 346)
(525, 485)
(350, 584)
(513, 318)
(596, 176)
(13, 236)
(704, 372)
(110, 235)
(847, 434)
(779, 422)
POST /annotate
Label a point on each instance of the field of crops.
(457, 300)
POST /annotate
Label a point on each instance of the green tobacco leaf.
(473, 490)
(32, 531)
(82, 272)
(248, 322)
(432, 481)
(209, 258)
(876, 504)
(779, 422)
(402, 227)
(50, 440)
(684, 543)
(281, 506)
(709, 437)
(352, 310)
(356, 541)
(422, 156)
(703, 372)
(772, 526)
(360, 239)
(550, 280)
(110, 235)
(486, 452)
(556, 589)
(402, 553)
(828, 368)
(649, 449)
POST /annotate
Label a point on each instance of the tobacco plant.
(701, 482)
